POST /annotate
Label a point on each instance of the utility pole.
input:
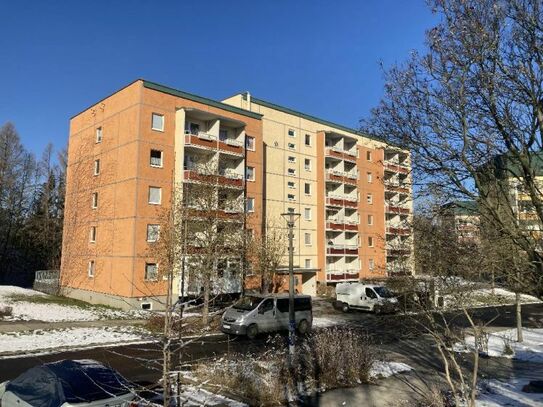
(291, 218)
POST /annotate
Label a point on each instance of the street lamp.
(291, 218)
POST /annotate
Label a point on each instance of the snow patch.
(495, 393)
(382, 370)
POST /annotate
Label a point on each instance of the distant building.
(463, 217)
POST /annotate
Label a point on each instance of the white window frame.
(371, 243)
(369, 198)
(369, 156)
(291, 172)
(252, 178)
(291, 197)
(97, 166)
(254, 143)
(306, 212)
(306, 235)
(149, 227)
(153, 121)
(308, 136)
(291, 146)
(307, 263)
(92, 234)
(369, 177)
(291, 133)
(250, 199)
(307, 184)
(159, 196)
(307, 164)
(145, 272)
(161, 158)
(98, 135)
(291, 185)
(291, 159)
(91, 268)
(370, 220)
(94, 200)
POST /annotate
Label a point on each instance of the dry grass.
(5, 311)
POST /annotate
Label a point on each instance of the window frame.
(293, 131)
(91, 268)
(370, 219)
(308, 218)
(369, 177)
(369, 198)
(250, 199)
(94, 200)
(291, 172)
(291, 146)
(291, 185)
(153, 114)
(289, 199)
(369, 156)
(159, 196)
(306, 185)
(149, 226)
(306, 234)
(307, 164)
(247, 147)
(371, 243)
(96, 170)
(310, 263)
(145, 275)
(307, 137)
(92, 234)
(291, 159)
(151, 158)
(253, 175)
(98, 136)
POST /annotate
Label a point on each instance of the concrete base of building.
(115, 301)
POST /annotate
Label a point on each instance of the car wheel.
(252, 331)
(303, 327)
(345, 307)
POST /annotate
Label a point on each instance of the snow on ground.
(531, 350)
(382, 370)
(51, 312)
(196, 396)
(57, 339)
(495, 393)
(476, 297)
(323, 322)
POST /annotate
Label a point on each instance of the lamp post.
(291, 218)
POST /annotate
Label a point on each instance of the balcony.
(396, 168)
(228, 179)
(398, 231)
(397, 210)
(339, 153)
(337, 275)
(201, 140)
(342, 250)
(231, 146)
(397, 252)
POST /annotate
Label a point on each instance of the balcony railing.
(403, 169)
(341, 275)
(233, 180)
(342, 250)
(402, 231)
(397, 209)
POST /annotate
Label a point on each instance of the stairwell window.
(291, 159)
(307, 188)
(368, 156)
(250, 205)
(153, 233)
(156, 158)
(155, 195)
(250, 174)
(94, 204)
(151, 271)
(308, 140)
(98, 135)
(307, 213)
(96, 167)
(307, 263)
(250, 143)
(369, 176)
(92, 235)
(369, 199)
(307, 164)
(90, 268)
(370, 220)
(157, 122)
(370, 241)
(307, 239)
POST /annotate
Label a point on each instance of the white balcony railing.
(206, 136)
(334, 195)
(233, 142)
(231, 174)
(350, 198)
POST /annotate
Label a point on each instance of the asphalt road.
(141, 363)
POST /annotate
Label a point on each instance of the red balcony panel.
(342, 277)
(231, 182)
(398, 231)
(191, 139)
(191, 175)
(334, 226)
(351, 251)
(350, 181)
(397, 209)
(331, 250)
(351, 204)
(351, 227)
(333, 177)
(395, 188)
(333, 201)
(232, 149)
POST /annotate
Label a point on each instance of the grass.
(56, 299)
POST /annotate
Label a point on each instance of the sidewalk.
(22, 326)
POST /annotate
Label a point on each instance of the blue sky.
(319, 57)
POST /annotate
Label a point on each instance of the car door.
(265, 317)
(370, 298)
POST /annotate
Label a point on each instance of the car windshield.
(383, 292)
(248, 303)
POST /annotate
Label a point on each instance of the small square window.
(291, 171)
(307, 140)
(92, 236)
(90, 268)
(370, 241)
(370, 220)
(96, 167)
(156, 158)
(291, 133)
(155, 195)
(307, 188)
(291, 159)
(94, 204)
(291, 146)
(157, 122)
(368, 156)
(98, 135)
(250, 173)
(153, 233)
(290, 210)
(291, 197)
(291, 185)
(369, 176)
(151, 271)
(307, 213)
(307, 239)
(307, 263)
(250, 205)
(250, 143)
(307, 164)
(369, 199)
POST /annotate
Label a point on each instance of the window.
(266, 306)
(151, 271)
(368, 155)
(307, 140)
(156, 158)
(370, 241)
(307, 188)
(291, 159)
(90, 268)
(155, 195)
(371, 264)
(291, 197)
(153, 233)
(92, 237)
(223, 134)
(370, 220)
(291, 185)
(94, 200)
(250, 173)
(307, 239)
(307, 164)
(250, 143)
(291, 133)
(157, 122)
(369, 177)
(250, 205)
(307, 213)
(291, 146)
(307, 263)
(192, 128)
(370, 293)
(96, 167)
(98, 134)
(369, 199)
(291, 171)
(290, 210)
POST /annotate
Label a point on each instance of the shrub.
(190, 325)
(5, 311)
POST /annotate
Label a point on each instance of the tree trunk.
(518, 313)
(205, 308)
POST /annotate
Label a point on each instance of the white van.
(254, 314)
(369, 297)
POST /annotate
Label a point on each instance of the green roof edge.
(319, 120)
(175, 92)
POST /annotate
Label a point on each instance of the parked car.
(81, 383)
(254, 314)
(369, 297)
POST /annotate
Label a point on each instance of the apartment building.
(130, 151)
(464, 219)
